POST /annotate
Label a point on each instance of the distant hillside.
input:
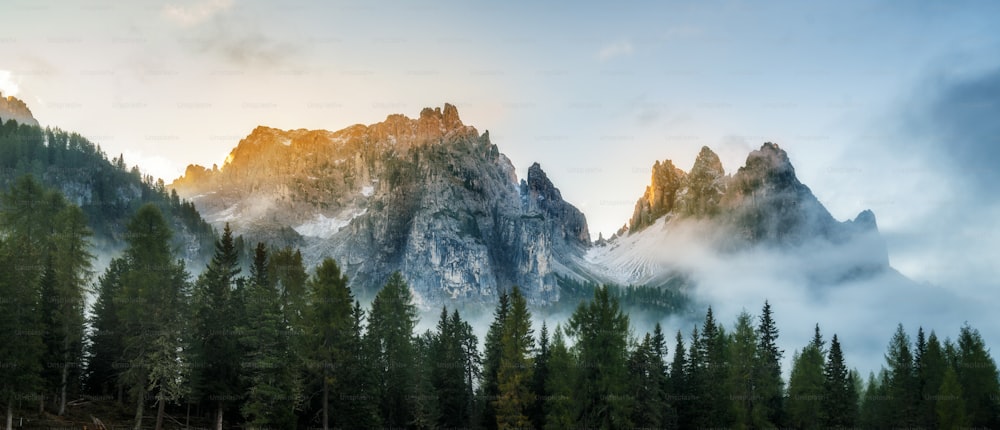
(107, 191)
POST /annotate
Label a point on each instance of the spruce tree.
(950, 406)
(514, 374)
(770, 386)
(903, 383)
(491, 361)
(805, 386)
(977, 374)
(646, 376)
(840, 399)
(217, 372)
(273, 385)
(601, 328)
(678, 393)
(743, 373)
(932, 368)
(562, 403)
(153, 299)
(106, 352)
(539, 375)
(390, 336)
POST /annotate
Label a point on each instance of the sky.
(884, 105)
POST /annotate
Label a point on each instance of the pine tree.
(743, 373)
(950, 406)
(273, 385)
(646, 376)
(449, 373)
(514, 374)
(805, 386)
(903, 381)
(152, 295)
(390, 335)
(106, 352)
(678, 391)
(491, 361)
(217, 375)
(840, 399)
(22, 327)
(601, 331)
(931, 373)
(977, 374)
(770, 387)
(561, 405)
(328, 323)
(539, 375)
(714, 405)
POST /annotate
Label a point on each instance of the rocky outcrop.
(763, 203)
(12, 108)
(430, 197)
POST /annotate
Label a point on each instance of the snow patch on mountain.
(324, 227)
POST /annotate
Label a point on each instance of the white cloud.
(617, 49)
(7, 85)
(156, 165)
(193, 14)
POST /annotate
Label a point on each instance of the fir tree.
(514, 375)
(805, 386)
(601, 331)
(217, 375)
(770, 387)
(491, 362)
(840, 399)
(950, 406)
(390, 336)
(561, 405)
(903, 381)
(977, 374)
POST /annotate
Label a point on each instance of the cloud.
(613, 50)
(8, 87)
(954, 119)
(188, 15)
(240, 43)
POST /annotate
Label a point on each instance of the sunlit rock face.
(12, 108)
(430, 197)
(761, 208)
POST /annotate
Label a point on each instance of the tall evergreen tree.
(950, 406)
(21, 328)
(743, 375)
(678, 391)
(977, 374)
(537, 411)
(601, 328)
(903, 387)
(153, 296)
(217, 376)
(514, 374)
(840, 400)
(646, 380)
(449, 372)
(805, 386)
(714, 405)
(770, 386)
(931, 374)
(273, 385)
(72, 264)
(390, 335)
(491, 361)
(105, 353)
(561, 405)
(328, 324)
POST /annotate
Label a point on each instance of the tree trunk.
(159, 412)
(65, 379)
(326, 404)
(138, 409)
(10, 413)
(187, 418)
(218, 417)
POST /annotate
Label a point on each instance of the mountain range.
(436, 200)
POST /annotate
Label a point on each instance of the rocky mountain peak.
(539, 187)
(13, 108)
(666, 181)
